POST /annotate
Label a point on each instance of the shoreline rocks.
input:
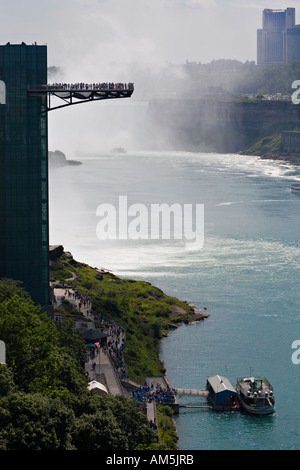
(58, 159)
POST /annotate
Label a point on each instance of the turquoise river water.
(246, 274)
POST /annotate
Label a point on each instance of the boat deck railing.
(264, 387)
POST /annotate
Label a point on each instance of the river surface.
(246, 274)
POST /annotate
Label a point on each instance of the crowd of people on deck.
(146, 394)
(90, 86)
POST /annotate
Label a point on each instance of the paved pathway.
(104, 369)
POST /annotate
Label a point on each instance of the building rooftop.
(219, 384)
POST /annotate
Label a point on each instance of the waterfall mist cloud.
(132, 40)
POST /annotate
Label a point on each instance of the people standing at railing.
(90, 86)
(161, 396)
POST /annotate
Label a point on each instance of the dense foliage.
(44, 401)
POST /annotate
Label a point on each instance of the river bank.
(144, 311)
(281, 143)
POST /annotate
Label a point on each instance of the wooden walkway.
(191, 392)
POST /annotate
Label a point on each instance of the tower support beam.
(76, 94)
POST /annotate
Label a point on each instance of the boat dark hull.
(256, 395)
(257, 410)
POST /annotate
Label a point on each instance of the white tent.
(99, 388)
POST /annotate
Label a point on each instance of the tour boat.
(256, 395)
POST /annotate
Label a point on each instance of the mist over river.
(246, 274)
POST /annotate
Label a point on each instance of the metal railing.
(117, 377)
(81, 87)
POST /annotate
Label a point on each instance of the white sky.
(89, 34)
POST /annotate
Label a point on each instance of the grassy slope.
(143, 310)
(269, 144)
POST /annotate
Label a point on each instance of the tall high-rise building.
(24, 239)
(293, 44)
(278, 41)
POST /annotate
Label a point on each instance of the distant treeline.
(246, 78)
(193, 79)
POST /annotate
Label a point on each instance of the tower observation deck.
(25, 99)
(77, 93)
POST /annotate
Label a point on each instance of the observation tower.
(25, 100)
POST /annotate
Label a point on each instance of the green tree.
(34, 422)
(133, 423)
(7, 384)
(111, 423)
(31, 342)
(40, 358)
(70, 341)
(10, 287)
(99, 431)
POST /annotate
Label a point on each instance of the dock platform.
(168, 397)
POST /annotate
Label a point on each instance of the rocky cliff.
(58, 159)
(222, 125)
